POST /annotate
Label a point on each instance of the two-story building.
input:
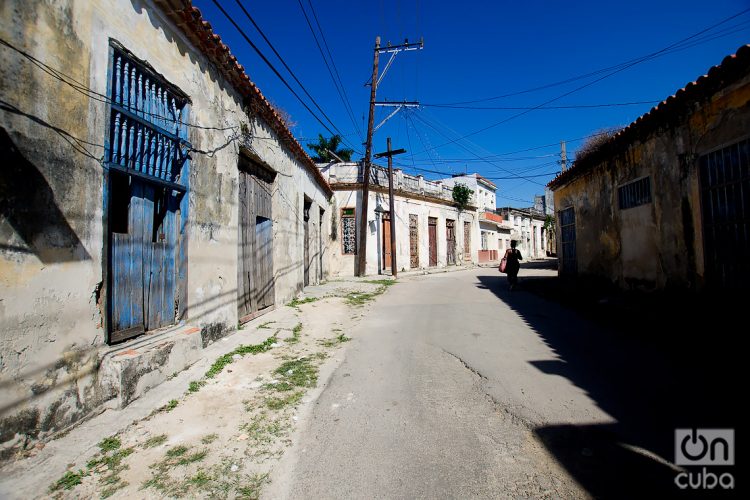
(430, 230)
(494, 232)
(527, 230)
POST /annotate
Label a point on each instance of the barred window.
(634, 193)
(348, 231)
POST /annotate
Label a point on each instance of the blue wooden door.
(142, 257)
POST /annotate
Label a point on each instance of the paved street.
(438, 386)
(455, 387)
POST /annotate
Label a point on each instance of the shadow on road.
(653, 363)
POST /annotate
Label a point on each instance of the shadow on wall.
(653, 366)
(28, 204)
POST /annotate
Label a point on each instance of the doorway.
(432, 233)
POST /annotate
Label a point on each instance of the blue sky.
(479, 50)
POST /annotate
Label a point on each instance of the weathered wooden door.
(467, 240)
(450, 240)
(306, 243)
(142, 239)
(432, 233)
(255, 254)
(413, 241)
(320, 246)
(386, 241)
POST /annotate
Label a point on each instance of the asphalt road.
(454, 387)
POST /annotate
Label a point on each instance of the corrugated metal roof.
(731, 69)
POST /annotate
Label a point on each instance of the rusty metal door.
(725, 204)
(255, 279)
(432, 232)
(450, 241)
(386, 242)
(413, 241)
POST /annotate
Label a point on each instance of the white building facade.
(494, 232)
(430, 230)
(528, 230)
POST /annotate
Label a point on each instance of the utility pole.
(390, 154)
(362, 250)
(374, 82)
(563, 156)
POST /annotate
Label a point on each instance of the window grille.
(634, 193)
(348, 231)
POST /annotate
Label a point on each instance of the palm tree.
(325, 147)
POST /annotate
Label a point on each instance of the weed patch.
(242, 350)
(68, 481)
(386, 283)
(196, 385)
(210, 438)
(155, 441)
(109, 444)
(251, 491)
(265, 325)
(279, 403)
(295, 334)
(338, 339)
(297, 373)
(298, 302)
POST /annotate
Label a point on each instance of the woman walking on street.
(513, 264)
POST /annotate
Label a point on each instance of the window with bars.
(348, 231)
(634, 193)
(147, 121)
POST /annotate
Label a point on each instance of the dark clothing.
(512, 266)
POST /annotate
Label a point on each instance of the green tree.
(325, 147)
(461, 195)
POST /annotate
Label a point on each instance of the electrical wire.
(570, 106)
(581, 87)
(713, 36)
(280, 77)
(340, 89)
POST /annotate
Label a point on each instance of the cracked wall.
(52, 223)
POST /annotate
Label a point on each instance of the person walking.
(512, 264)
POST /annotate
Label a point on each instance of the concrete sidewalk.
(184, 407)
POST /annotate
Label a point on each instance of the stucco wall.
(52, 239)
(343, 265)
(660, 244)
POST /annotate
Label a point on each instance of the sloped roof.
(199, 31)
(731, 69)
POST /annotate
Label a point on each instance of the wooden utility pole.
(563, 156)
(362, 248)
(390, 154)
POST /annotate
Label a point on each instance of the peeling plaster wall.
(343, 265)
(52, 236)
(660, 244)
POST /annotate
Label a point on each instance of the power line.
(472, 152)
(570, 106)
(581, 87)
(247, 14)
(280, 77)
(340, 89)
(721, 33)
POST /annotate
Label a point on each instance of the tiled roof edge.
(189, 19)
